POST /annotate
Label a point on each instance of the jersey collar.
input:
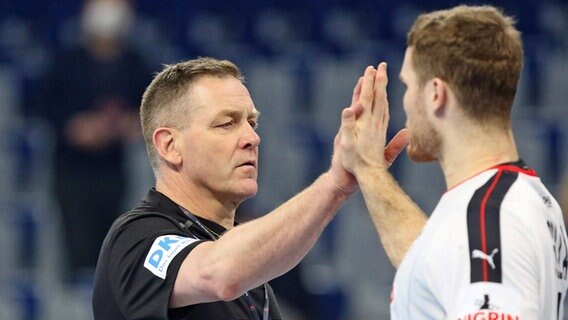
(161, 202)
(518, 166)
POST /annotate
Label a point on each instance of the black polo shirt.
(139, 262)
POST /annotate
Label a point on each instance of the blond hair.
(475, 49)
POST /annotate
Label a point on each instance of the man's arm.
(397, 219)
(260, 250)
(265, 248)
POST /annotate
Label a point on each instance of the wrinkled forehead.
(209, 95)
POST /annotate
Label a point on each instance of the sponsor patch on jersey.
(487, 301)
(489, 315)
(163, 251)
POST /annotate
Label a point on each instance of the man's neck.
(468, 153)
(199, 203)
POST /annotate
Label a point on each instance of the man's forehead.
(406, 63)
(221, 93)
(209, 85)
(248, 110)
(407, 56)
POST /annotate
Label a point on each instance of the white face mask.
(107, 19)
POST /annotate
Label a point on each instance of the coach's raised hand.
(361, 141)
(364, 125)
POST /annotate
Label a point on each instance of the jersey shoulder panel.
(143, 256)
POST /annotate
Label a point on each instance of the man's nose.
(250, 139)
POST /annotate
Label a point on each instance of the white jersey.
(494, 248)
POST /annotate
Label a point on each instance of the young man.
(179, 254)
(495, 247)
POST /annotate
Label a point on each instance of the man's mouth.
(251, 163)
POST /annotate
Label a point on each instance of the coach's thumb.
(349, 115)
(348, 119)
(348, 123)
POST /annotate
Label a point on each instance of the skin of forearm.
(267, 247)
(396, 217)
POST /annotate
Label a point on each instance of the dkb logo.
(163, 251)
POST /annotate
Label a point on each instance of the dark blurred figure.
(91, 98)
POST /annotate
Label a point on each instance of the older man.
(180, 254)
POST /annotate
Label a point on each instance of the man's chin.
(249, 189)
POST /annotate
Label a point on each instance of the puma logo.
(484, 256)
(485, 305)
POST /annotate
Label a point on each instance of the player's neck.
(468, 152)
(199, 202)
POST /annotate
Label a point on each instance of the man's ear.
(166, 142)
(439, 96)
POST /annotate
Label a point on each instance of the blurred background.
(71, 157)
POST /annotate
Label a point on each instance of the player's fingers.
(395, 146)
(382, 73)
(380, 102)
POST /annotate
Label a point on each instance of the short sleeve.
(144, 259)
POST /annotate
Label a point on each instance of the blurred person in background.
(91, 98)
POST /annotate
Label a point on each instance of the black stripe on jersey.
(483, 227)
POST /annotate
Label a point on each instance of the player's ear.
(439, 91)
(167, 144)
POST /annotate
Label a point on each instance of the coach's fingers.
(347, 129)
(367, 94)
(395, 146)
(357, 91)
(357, 109)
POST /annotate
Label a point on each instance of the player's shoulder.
(505, 190)
(528, 195)
(498, 201)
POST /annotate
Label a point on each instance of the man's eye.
(227, 125)
(253, 124)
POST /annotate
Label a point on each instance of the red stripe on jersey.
(482, 222)
(510, 167)
(507, 167)
(484, 227)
